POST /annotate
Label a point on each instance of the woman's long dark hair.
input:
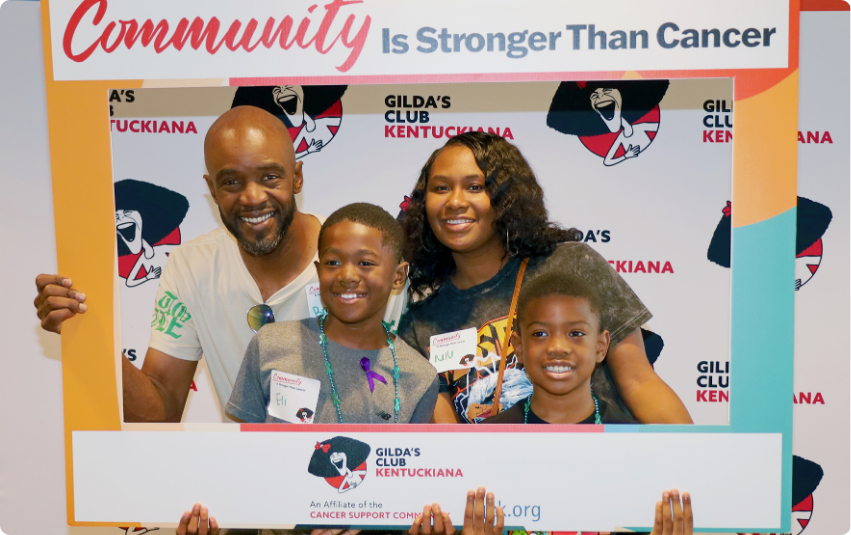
(521, 219)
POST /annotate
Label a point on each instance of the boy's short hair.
(557, 283)
(392, 236)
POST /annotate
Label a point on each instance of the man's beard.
(262, 248)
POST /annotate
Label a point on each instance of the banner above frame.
(90, 44)
(161, 39)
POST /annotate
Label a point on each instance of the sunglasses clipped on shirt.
(260, 315)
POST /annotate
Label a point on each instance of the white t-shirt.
(203, 299)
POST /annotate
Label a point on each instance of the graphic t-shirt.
(293, 347)
(203, 299)
(486, 308)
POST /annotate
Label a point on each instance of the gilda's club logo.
(147, 219)
(813, 220)
(312, 114)
(341, 461)
(615, 119)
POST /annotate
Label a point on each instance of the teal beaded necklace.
(528, 406)
(323, 341)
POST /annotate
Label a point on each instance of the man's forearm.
(144, 399)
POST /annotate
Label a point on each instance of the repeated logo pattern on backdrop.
(615, 119)
(361, 163)
(147, 219)
(813, 220)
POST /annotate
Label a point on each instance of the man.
(263, 258)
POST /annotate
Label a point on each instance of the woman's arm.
(645, 393)
(444, 412)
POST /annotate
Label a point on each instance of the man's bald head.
(246, 125)
(253, 177)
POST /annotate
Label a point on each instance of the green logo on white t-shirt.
(170, 315)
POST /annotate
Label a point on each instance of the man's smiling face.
(253, 177)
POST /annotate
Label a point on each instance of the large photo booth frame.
(763, 245)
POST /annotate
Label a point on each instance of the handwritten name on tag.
(293, 398)
(453, 351)
(314, 300)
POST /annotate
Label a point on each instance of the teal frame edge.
(762, 345)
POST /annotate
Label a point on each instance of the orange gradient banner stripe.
(765, 153)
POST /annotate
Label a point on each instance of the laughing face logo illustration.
(616, 119)
(146, 224)
(341, 461)
(813, 220)
(312, 114)
(806, 476)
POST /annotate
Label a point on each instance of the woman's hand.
(676, 520)
(197, 522)
(479, 516)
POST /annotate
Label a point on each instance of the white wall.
(32, 452)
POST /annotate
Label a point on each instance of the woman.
(476, 213)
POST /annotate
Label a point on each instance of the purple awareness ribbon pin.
(364, 363)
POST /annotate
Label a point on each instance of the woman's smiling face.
(458, 207)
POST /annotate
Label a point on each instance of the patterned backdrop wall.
(642, 168)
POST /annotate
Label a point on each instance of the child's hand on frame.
(671, 517)
(479, 517)
(197, 522)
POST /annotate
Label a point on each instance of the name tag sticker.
(453, 351)
(314, 301)
(293, 398)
